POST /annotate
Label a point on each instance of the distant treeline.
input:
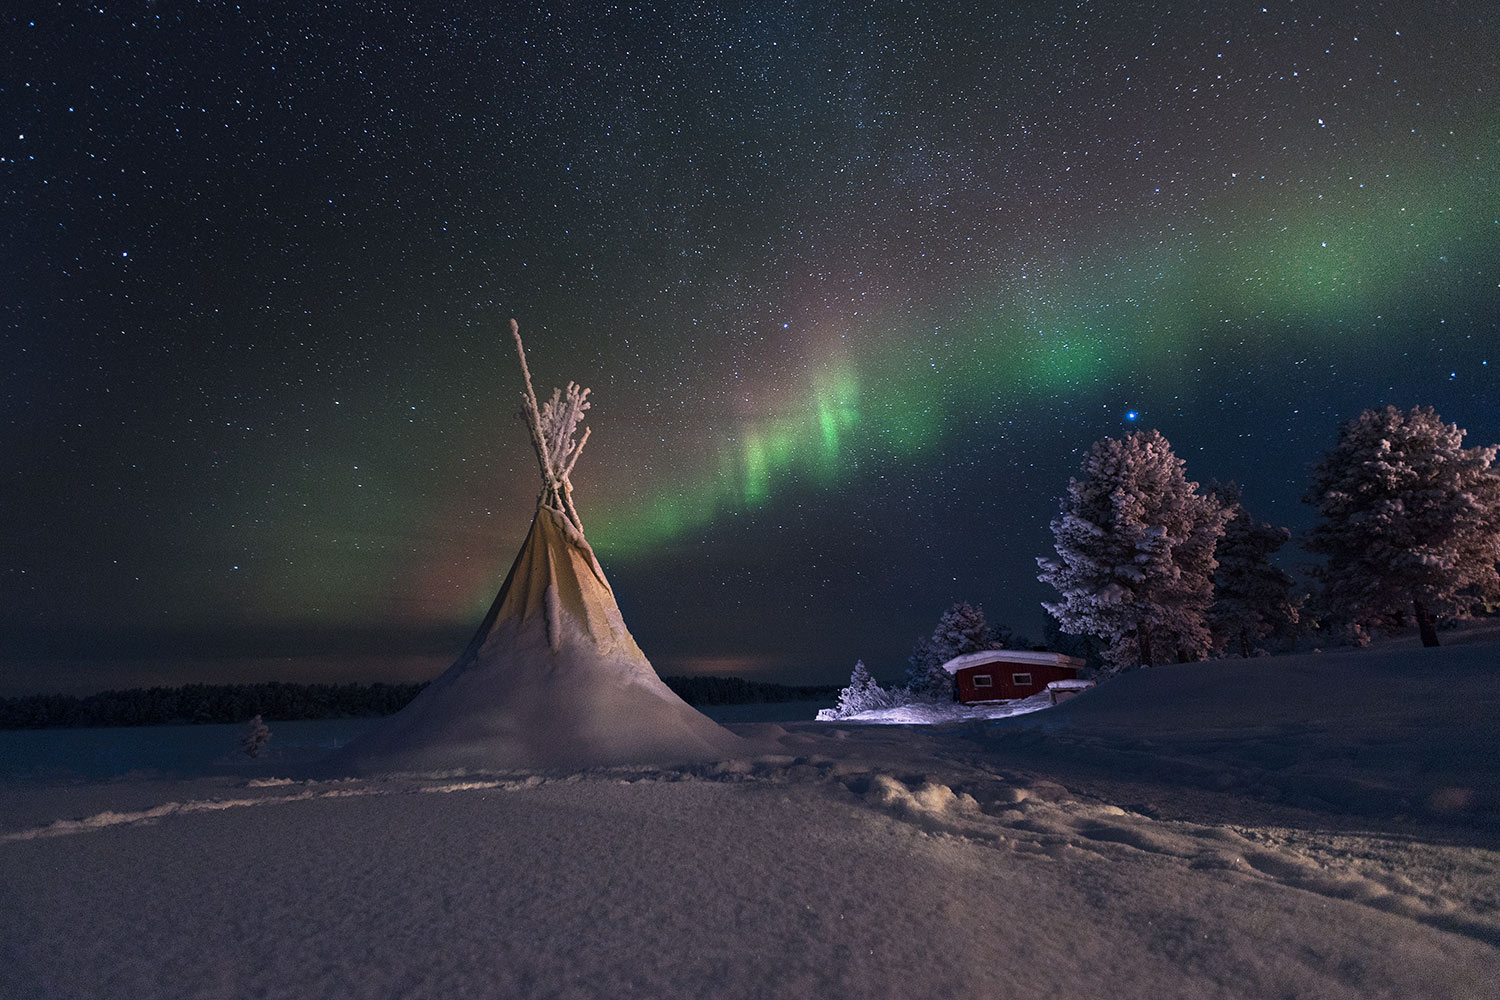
(193, 703)
(277, 701)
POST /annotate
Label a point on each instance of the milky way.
(854, 288)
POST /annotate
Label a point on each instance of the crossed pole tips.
(552, 426)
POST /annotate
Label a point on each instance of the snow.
(940, 713)
(1325, 825)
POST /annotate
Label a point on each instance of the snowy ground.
(1315, 826)
(924, 714)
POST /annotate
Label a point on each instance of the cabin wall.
(1002, 686)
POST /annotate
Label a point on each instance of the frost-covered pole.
(552, 428)
(567, 484)
(533, 416)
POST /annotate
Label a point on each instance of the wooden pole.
(533, 415)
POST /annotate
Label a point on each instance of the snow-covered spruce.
(1410, 521)
(1252, 598)
(1135, 553)
(961, 629)
(864, 694)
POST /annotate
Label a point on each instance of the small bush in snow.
(256, 737)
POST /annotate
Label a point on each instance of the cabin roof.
(1019, 657)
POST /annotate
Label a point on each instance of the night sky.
(854, 287)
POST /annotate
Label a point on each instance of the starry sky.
(854, 287)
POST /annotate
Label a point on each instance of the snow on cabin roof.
(986, 656)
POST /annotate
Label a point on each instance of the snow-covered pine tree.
(1410, 521)
(1135, 545)
(863, 694)
(1252, 598)
(961, 629)
(1088, 648)
(257, 735)
(918, 664)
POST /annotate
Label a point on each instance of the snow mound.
(1391, 730)
(930, 799)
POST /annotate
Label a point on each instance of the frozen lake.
(60, 755)
(89, 754)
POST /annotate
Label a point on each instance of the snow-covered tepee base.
(553, 678)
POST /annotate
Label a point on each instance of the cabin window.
(983, 681)
(1020, 680)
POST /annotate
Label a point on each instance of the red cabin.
(1008, 674)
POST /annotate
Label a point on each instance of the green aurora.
(1263, 273)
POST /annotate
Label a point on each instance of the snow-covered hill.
(1392, 731)
(1316, 826)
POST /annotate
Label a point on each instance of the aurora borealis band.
(853, 287)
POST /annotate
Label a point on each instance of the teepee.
(553, 677)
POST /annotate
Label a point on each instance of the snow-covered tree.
(1252, 598)
(962, 629)
(1327, 626)
(863, 694)
(257, 735)
(1410, 521)
(1135, 553)
(1088, 648)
